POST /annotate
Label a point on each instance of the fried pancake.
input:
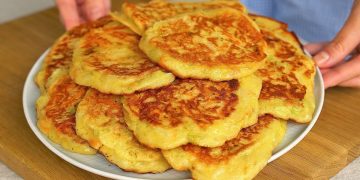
(109, 60)
(139, 17)
(221, 44)
(288, 76)
(56, 112)
(201, 112)
(60, 55)
(239, 158)
(99, 120)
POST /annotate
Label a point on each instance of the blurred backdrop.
(11, 9)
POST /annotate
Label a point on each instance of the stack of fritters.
(203, 87)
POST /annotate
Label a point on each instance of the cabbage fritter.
(108, 59)
(288, 75)
(139, 17)
(99, 120)
(61, 53)
(201, 112)
(56, 112)
(240, 158)
(218, 45)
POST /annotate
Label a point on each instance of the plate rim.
(37, 65)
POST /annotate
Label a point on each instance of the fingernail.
(321, 58)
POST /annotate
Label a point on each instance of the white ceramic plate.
(97, 163)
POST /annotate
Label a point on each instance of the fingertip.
(314, 48)
(323, 71)
(328, 82)
(307, 47)
(95, 9)
(69, 13)
(107, 4)
(95, 14)
(321, 58)
(70, 24)
(332, 54)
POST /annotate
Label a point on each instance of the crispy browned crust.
(284, 25)
(196, 99)
(183, 37)
(60, 56)
(145, 14)
(110, 106)
(60, 109)
(107, 104)
(122, 33)
(283, 49)
(81, 30)
(287, 75)
(61, 53)
(286, 86)
(232, 147)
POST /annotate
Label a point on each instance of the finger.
(323, 71)
(342, 72)
(69, 13)
(354, 82)
(94, 9)
(107, 6)
(314, 48)
(345, 41)
(80, 2)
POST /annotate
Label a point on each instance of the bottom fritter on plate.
(240, 158)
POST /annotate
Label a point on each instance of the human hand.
(330, 57)
(75, 12)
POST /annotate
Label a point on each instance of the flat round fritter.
(99, 120)
(140, 16)
(201, 112)
(109, 60)
(288, 76)
(61, 53)
(56, 112)
(220, 44)
(239, 158)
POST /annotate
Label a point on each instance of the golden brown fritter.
(99, 120)
(109, 60)
(288, 76)
(56, 112)
(220, 44)
(61, 53)
(201, 112)
(141, 16)
(239, 158)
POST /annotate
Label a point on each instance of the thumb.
(314, 48)
(345, 41)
